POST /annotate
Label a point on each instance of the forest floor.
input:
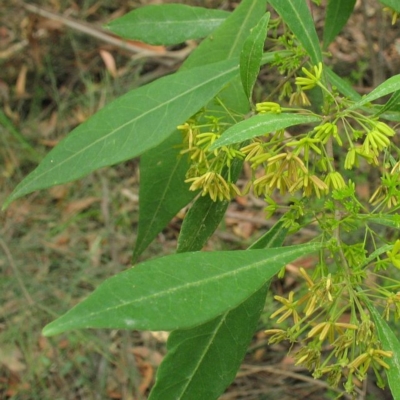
(57, 245)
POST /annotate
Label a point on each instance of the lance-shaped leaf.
(212, 352)
(272, 238)
(227, 40)
(389, 86)
(129, 126)
(259, 125)
(391, 104)
(375, 254)
(390, 220)
(391, 343)
(167, 24)
(200, 223)
(163, 191)
(205, 359)
(298, 17)
(251, 55)
(177, 291)
(337, 14)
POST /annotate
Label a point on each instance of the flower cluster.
(290, 164)
(320, 322)
(210, 171)
(311, 170)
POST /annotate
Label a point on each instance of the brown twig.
(248, 369)
(107, 37)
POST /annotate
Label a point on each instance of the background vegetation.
(56, 246)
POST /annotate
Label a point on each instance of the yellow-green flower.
(277, 335)
(394, 255)
(364, 360)
(230, 154)
(325, 131)
(351, 159)
(392, 303)
(206, 139)
(395, 14)
(312, 78)
(288, 308)
(268, 107)
(335, 180)
(213, 184)
(286, 90)
(384, 129)
(190, 133)
(305, 144)
(328, 329)
(299, 98)
(313, 183)
(255, 153)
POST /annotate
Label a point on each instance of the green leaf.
(205, 359)
(259, 125)
(389, 343)
(177, 291)
(129, 126)
(226, 43)
(212, 352)
(390, 116)
(378, 252)
(391, 104)
(298, 18)
(342, 86)
(167, 24)
(16, 134)
(251, 55)
(200, 223)
(389, 86)
(393, 4)
(272, 238)
(270, 57)
(163, 191)
(227, 40)
(337, 14)
(390, 220)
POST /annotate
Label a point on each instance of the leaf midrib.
(142, 115)
(202, 282)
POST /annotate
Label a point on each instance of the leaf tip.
(8, 201)
(50, 330)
